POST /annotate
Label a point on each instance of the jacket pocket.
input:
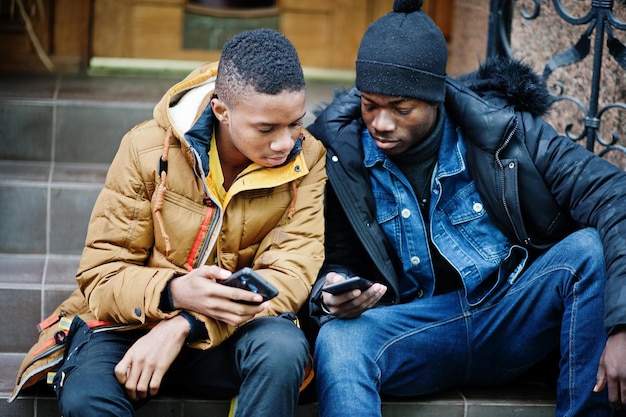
(387, 216)
(468, 217)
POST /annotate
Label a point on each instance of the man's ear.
(220, 110)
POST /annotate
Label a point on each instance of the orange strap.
(49, 321)
(308, 374)
(64, 327)
(196, 244)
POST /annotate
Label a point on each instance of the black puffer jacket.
(537, 186)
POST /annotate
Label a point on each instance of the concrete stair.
(58, 134)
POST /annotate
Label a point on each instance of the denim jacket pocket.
(386, 207)
(387, 214)
(469, 219)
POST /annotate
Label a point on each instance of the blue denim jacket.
(460, 227)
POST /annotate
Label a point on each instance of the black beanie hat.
(403, 54)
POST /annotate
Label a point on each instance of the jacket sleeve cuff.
(166, 304)
(197, 330)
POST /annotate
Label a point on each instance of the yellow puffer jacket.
(155, 218)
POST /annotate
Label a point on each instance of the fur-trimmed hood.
(512, 82)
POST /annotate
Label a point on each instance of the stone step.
(45, 206)
(81, 118)
(520, 400)
(56, 118)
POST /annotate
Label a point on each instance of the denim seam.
(416, 331)
(572, 326)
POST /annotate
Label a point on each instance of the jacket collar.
(199, 136)
(480, 121)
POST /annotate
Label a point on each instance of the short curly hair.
(261, 59)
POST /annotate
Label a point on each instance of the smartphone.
(349, 284)
(247, 279)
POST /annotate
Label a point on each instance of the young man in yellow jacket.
(223, 177)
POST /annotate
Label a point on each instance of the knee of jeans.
(69, 401)
(83, 390)
(340, 341)
(587, 247)
(72, 402)
(86, 400)
(586, 238)
(284, 342)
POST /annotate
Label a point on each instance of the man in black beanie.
(485, 239)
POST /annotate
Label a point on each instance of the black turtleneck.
(417, 164)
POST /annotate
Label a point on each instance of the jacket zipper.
(207, 227)
(525, 239)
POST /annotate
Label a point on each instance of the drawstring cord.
(294, 188)
(160, 197)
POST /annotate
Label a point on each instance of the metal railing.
(601, 24)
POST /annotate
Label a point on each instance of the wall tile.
(25, 131)
(165, 408)
(28, 86)
(9, 365)
(21, 312)
(200, 409)
(91, 133)
(24, 171)
(22, 219)
(79, 173)
(48, 405)
(18, 271)
(52, 299)
(19, 408)
(61, 271)
(142, 89)
(70, 209)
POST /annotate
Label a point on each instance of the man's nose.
(383, 122)
(283, 143)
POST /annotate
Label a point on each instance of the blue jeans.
(263, 363)
(434, 344)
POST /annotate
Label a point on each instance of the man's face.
(395, 123)
(261, 128)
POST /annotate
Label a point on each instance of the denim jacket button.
(415, 260)
(478, 207)
(405, 213)
(420, 293)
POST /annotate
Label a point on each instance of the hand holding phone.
(348, 284)
(249, 280)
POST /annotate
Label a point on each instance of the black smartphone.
(349, 284)
(247, 279)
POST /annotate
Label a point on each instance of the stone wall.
(535, 42)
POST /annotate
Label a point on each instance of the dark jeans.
(439, 343)
(263, 363)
